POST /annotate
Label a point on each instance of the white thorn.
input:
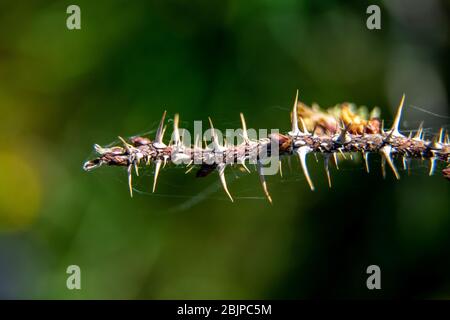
(386, 151)
(405, 163)
(432, 165)
(366, 160)
(280, 168)
(418, 135)
(441, 136)
(244, 128)
(295, 131)
(335, 157)
(136, 168)
(327, 168)
(343, 136)
(130, 177)
(302, 152)
(342, 153)
(221, 170)
(215, 143)
(395, 126)
(176, 132)
(245, 167)
(189, 170)
(160, 132)
(155, 177)
(305, 130)
(99, 149)
(263, 182)
(126, 144)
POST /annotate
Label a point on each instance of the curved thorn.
(160, 131)
(136, 168)
(221, 170)
(126, 144)
(245, 167)
(366, 160)
(244, 128)
(432, 166)
(214, 139)
(302, 152)
(211, 123)
(441, 136)
(386, 151)
(327, 169)
(263, 182)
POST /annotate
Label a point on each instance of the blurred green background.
(61, 91)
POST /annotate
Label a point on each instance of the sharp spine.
(221, 170)
(155, 177)
(395, 126)
(386, 152)
(130, 177)
(176, 132)
(262, 179)
(326, 161)
(244, 128)
(302, 152)
(432, 165)
(294, 119)
(366, 160)
(418, 135)
(336, 160)
(160, 131)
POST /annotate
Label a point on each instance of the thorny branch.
(343, 133)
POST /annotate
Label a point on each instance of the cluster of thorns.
(341, 130)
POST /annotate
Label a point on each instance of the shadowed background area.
(61, 91)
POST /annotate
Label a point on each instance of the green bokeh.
(61, 91)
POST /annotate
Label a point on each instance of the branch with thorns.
(337, 131)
